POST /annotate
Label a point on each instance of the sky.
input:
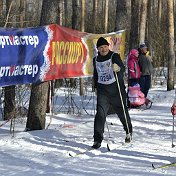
(46, 152)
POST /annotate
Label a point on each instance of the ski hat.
(142, 45)
(102, 41)
(134, 52)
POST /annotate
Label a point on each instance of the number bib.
(105, 72)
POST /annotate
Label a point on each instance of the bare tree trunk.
(81, 80)
(95, 12)
(106, 15)
(9, 102)
(50, 10)
(143, 21)
(39, 93)
(9, 95)
(76, 25)
(37, 107)
(134, 36)
(95, 7)
(149, 27)
(60, 12)
(66, 13)
(159, 11)
(75, 15)
(82, 15)
(1, 14)
(121, 15)
(171, 61)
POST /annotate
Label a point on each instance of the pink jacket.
(133, 67)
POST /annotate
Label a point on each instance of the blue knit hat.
(142, 45)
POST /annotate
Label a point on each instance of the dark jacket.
(145, 64)
(109, 89)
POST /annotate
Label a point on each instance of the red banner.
(32, 55)
(66, 52)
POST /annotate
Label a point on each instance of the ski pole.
(173, 109)
(173, 133)
(122, 102)
(108, 130)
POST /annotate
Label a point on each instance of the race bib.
(105, 72)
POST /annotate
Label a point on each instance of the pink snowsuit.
(136, 97)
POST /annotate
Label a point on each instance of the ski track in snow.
(46, 152)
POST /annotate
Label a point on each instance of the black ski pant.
(103, 104)
(145, 84)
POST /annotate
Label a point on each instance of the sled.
(137, 98)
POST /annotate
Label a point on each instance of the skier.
(108, 72)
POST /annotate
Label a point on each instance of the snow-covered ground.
(46, 152)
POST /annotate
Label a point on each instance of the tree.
(143, 21)
(1, 13)
(171, 58)
(159, 11)
(149, 27)
(60, 13)
(134, 35)
(66, 13)
(106, 15)
(81, 80)
(95, 7)
(9, 102)
(75, 14)
(39, 93)
(9, 91)
(121, 15)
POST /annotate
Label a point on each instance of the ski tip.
(70, 155)
(153, 166)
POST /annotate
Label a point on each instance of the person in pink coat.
(133, 68)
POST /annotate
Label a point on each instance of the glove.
(115, 68)
(173, 109)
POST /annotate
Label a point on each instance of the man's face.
(144, 50)
(103, 50)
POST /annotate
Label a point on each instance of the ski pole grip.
(173, 109)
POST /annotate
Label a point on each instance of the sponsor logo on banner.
(19, 40)
(34, 55)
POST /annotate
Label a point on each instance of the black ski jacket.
(109, 89)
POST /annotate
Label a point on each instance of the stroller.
(136, 97)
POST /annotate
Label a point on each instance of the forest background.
(149, 21)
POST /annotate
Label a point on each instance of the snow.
(46, 152)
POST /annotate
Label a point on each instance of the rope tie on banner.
(51, 99)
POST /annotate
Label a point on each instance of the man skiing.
(108, 74)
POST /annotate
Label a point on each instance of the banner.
(34, 55)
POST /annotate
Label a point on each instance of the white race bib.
(105, 72)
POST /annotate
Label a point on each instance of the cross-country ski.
(164, 166)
